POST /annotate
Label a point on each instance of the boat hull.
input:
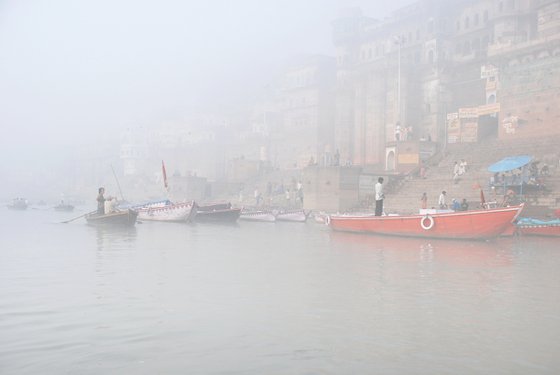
(545, 230)
(263, 216)
(181, 212)
(229, 215)
(478, 225)
(298, 216)
(536, 227)
(119, 218)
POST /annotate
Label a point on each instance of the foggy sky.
(70, 70)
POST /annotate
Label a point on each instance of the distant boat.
(18, 204)
(173, 212)
(478, 224)
(64, 207)
(258, 215)
(218, 212)
(116, 219)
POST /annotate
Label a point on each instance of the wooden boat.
(178, 212)
(266, 216)
(535, 227)
(298, 216)
(150, 204)
(117, 218)
(479, 224)
(18, 204)
(219, 212)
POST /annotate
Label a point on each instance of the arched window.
(476, 20)
(467, 22)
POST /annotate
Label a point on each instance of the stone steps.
(478, 156)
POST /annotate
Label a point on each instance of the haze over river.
(279, 298)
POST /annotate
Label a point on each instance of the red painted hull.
(477, 225)
(540, 230)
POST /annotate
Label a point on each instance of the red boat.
(476, 225)
(535, 227)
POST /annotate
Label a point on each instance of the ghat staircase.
(404, 197)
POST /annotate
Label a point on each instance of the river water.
(260, 298)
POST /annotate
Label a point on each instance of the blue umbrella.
(510, 163)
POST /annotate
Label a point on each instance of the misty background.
(74, 74)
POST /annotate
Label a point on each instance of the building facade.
(445, 71)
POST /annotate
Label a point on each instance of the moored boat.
(258, 215)
(116, 218)
(534, 227)
(298, 216)
(178, 212)
(478, 224)
(219, 212)
(18, 204)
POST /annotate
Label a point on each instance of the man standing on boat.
(379, 196)
(101, 201)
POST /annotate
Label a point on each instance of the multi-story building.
(295, 123)
(490, 66)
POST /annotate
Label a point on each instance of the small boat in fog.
(298, 216)
(534, 227)
(115, 218)
(18, 204)
(478, 224)
(266, 216)
(173, 212)
(217, 212)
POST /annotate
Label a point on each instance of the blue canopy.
(510, 163)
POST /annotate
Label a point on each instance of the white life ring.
(327, 220)
(430, 224)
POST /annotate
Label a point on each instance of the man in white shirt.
(379, 196)
(441, 200)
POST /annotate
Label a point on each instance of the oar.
(76, 218)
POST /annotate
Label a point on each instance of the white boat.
(150, 204)
(299, 216)
(176, 212)
(261, 215)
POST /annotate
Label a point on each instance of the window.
(501, 6)
(467, 21)
(418, 34)
(458, 25)
(476, 19)
(485, 16)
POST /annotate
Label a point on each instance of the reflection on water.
(270, 299)
(115, 238)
